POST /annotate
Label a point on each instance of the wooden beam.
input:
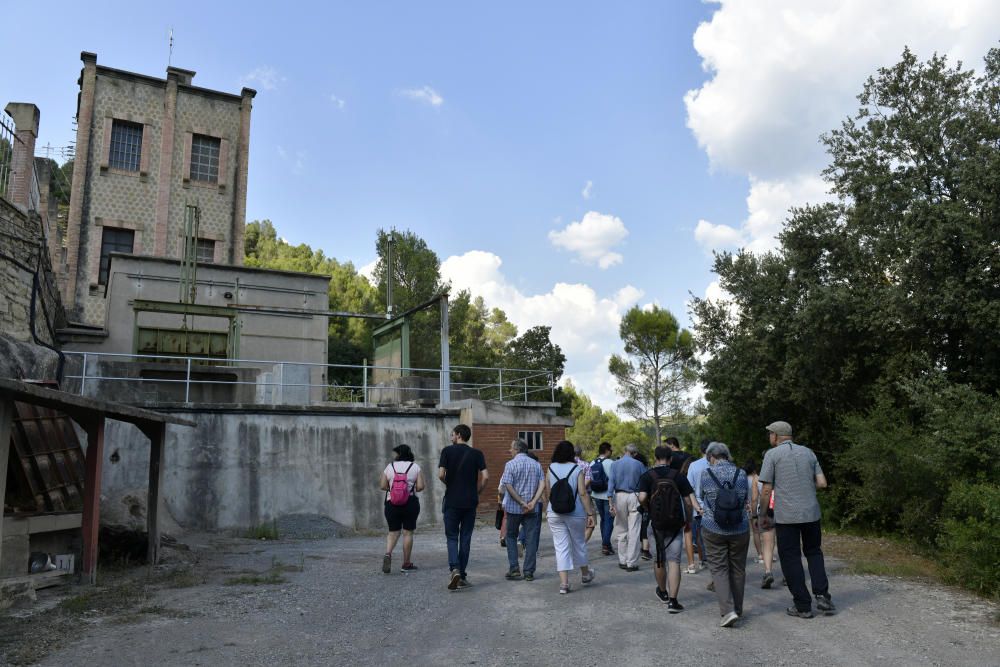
(92, 495)
(6, 422)
(157, 440)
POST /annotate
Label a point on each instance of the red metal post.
(92, 496)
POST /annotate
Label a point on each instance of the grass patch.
(106, 600)
(179, 578)
(278, 566)
(262, 579)
(881, 556)
(263, 531)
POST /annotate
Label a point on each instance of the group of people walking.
(679, 504)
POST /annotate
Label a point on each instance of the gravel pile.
(309, 527)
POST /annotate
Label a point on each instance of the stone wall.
(26, 272)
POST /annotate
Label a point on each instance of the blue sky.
(479, 126)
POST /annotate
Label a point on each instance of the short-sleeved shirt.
(678, 458)
(462, 464)
(648, 481)
(525, 475)
(401, 466)
(694, 476)
(586, 469)
(791, 469)
(606, 464)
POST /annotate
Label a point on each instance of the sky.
(566, 160)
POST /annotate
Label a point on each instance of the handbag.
(499, 520)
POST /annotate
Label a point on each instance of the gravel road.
(340, 609)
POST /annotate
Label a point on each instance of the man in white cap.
(792, 472)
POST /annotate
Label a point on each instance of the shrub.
(970, 536)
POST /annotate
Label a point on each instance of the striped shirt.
(524, 474)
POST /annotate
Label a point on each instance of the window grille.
(126, 145)
(113, 240)
(206, 251)
(205, 158)
(533, 438)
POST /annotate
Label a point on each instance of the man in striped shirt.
(522, 485)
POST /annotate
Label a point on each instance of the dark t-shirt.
(462, 464)
(646, 482)
(677, 459)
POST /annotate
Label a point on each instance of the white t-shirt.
(400, 466)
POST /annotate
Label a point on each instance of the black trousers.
(794, 541)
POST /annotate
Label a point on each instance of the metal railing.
(10, 146)
(7, 139)
(146, 378)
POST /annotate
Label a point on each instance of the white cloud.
(338, 102)
(584, 324)
(296, 159)
(368, 271)
(717, 237)
(588, 190)
(424, 94)
(592, 239)
(264, 77)
(781, 72)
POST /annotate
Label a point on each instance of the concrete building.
(146, 149)
(240, 313)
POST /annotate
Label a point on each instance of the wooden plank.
(92, 496)
(157, 440)
(84, 408)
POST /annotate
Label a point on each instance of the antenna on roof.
(170, 52)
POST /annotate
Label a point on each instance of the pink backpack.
(399, 489)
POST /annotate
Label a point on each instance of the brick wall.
(494, 441)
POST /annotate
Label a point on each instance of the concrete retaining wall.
(240, 468)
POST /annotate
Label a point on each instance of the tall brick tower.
(145, 149)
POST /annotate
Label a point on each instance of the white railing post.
(552, 388)
(281, 385)
(501, 384)
(187, 382)
(83, 378)
(525, 390)
(364, 384)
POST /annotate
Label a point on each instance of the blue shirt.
(625, 474)
(524, 474)
(726, 472)
(694, 477)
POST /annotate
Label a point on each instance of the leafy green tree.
(534, 351)
(895, 281)
(349, 338)
(592, 426)
(872, 327)
(416, 278)
(658, 371)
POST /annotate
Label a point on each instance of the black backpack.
(563, 495)
(728, 510)
(598, 478)
(666, 506)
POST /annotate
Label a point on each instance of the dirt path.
(341, 609)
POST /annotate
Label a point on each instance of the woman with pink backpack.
(401, 480)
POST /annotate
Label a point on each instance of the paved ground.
(340, 609)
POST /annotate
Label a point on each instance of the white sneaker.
(729, 620)
(692, 569)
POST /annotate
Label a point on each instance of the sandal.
(563, 590)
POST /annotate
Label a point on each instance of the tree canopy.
(658, 371)
(872, 327)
